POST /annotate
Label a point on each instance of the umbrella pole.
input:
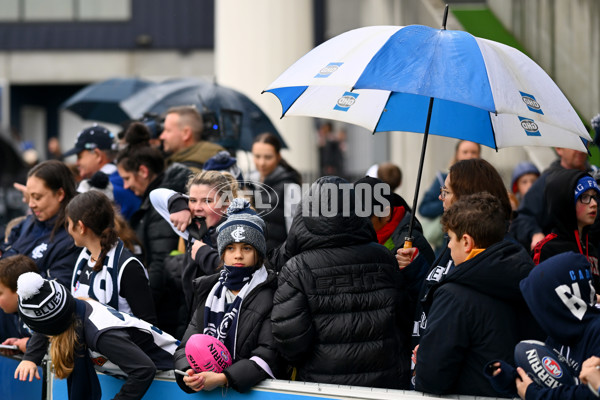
(409, 239)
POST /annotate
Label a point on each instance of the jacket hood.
(561, 297)
(522, 168)
(495, 272)
(326, 217)
(560, 197)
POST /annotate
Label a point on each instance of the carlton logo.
(238, 234)
(552, 366)
(529, 125)
(346, 101)
(531, 102)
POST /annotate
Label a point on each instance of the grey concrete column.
(255, 41)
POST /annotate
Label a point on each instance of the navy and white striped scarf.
(220, 318)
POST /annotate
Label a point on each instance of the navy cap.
(94, 137)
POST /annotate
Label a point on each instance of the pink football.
(207, 353)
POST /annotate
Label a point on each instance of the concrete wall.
(563, 36)
(81, 67)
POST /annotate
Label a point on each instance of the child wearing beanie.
(572, 199)
(86, 335)
(235, 307)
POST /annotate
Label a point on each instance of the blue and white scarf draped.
(220, 318)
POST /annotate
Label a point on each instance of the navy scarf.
(221, 317)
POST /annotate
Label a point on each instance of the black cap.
(94, 137)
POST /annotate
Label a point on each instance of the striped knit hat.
(242, 226)
(45, 306)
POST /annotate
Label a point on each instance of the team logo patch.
(328, 69)
(530, 127)
(346, 101)
(238, 234)
(38, 252)
(552, 366)
(531, 103)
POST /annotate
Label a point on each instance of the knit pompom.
(238, 204)
(29, 284)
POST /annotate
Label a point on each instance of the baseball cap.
(94, 137)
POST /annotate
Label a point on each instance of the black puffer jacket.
(475, 316)
(254, 337)
(338, 311)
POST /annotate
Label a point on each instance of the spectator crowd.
(118, 266)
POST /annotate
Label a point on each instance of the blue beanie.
(242, 226)
(584, 184)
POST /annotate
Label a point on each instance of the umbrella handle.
(408, 242)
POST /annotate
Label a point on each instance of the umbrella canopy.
(102, 101)
(383, 77)
(426, 80)
(229, 105)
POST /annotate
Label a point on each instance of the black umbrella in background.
(238, 119)
(101, 101)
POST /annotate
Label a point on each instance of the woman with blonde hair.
(195, 217)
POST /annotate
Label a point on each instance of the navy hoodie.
(561, 297)
(565, 235)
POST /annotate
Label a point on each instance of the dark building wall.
(154, 24)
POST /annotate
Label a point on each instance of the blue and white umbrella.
(432, 81)
(382, 78)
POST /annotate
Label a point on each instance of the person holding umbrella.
(464, 178)
(431, 208)
(473, 312)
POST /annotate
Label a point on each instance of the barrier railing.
(165, 387)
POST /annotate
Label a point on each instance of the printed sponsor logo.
(329, 69)
(530, 127)
(531, 103)
(346, 101)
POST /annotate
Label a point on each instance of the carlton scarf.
(220, 318)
